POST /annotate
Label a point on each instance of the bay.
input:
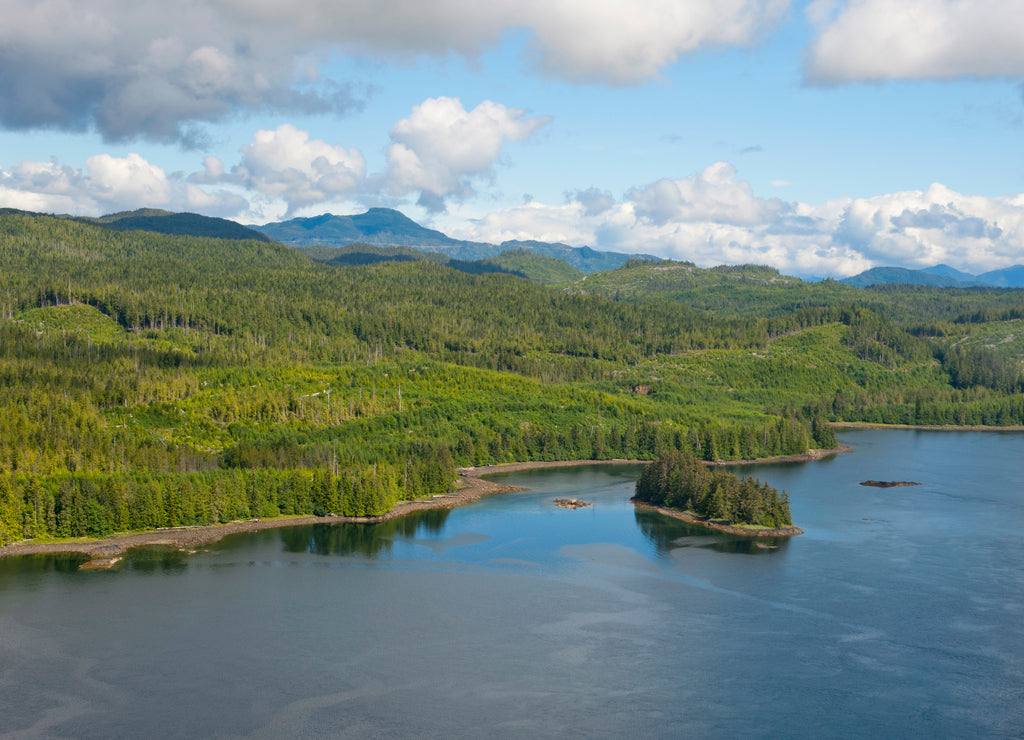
(898, 613)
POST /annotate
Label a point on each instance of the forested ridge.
(150, 380)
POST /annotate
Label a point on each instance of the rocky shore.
(790, 531)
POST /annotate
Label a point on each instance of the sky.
(821, 138)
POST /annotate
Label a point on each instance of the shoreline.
(926, 427)
(107, 551)
(790, 531)
(808, 456)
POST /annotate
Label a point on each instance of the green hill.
(183, 224)
(154, 380)
(536, 267)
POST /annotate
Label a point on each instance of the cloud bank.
(713, 217)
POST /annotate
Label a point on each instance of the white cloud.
(713, 218)
(286, 164)
(441, 147)
(126, 180)
(159, 70)
(937, 225)
(613, 41)
(713, 195)
(916, 39)
(531, 221)
(438, 151)
(624, 42)
(108, 184)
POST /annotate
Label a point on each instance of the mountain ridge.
(386, 227)
(942, 276)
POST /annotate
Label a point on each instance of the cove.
(897, 613)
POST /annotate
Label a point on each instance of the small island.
(889, 483)
(680, 485)
(570, 503)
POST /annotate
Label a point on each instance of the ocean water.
(899, 613)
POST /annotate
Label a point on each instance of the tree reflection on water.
(349, 538)
(668, 534)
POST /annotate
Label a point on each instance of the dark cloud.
(594, 200)
(432, 202)
(149, 70)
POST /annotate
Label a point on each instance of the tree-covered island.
(680, 482)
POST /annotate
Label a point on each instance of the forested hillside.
(151, 380)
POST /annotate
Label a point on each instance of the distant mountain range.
(384, 227)
(940, 275)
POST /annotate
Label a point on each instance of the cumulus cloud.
(937, 225)
(159, 70)
(438, 151)
(713, 218)
(440, 148)
(108, 184)
(915, 39)
(286, 164)
(713, 195)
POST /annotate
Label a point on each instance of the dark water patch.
(368, 540)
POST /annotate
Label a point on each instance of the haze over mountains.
(384, 227)
(942, 276)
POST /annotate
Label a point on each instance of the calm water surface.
(900, 613)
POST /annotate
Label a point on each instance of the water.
(898, 613)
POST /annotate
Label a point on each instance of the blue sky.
(821, 137)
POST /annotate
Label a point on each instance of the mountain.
(902, 275)
(951, 272)
(942, 276)
(1009, 277)
(384, 227)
